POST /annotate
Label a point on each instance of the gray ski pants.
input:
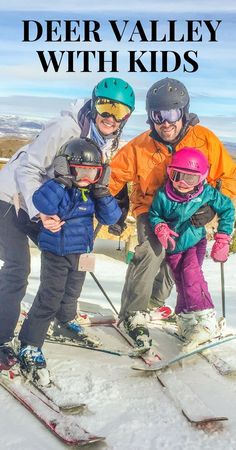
(148, 274)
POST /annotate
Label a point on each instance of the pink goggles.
(187, 179)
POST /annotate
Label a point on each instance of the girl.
(170, 215)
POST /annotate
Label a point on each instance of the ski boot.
(198, 327)
(136, 326)
(164, 312)
(73, 331)
(33, 365)
(8, 358)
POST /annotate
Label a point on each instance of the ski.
(190, 405)
(48, 395)
(220, 363)
(63, 427)
(73, 343)
(160, 365)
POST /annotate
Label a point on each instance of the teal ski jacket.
(177, 215)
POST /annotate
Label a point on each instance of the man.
(143, 162)
(102, 119)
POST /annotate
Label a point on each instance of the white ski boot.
(136, 327)
(198, 327)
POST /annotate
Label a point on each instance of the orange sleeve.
(123, 168)
(222, 167)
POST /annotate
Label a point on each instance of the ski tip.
(93, 439)
(204, 420)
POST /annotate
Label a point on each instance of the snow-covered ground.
(129, 408)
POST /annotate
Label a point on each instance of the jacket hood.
(79, 110)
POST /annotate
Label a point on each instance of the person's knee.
(16, 273)
(144, 252)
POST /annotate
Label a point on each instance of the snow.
(129, 408)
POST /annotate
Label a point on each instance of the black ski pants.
(15, 254)
(60, 287)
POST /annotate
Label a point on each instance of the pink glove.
(220, 249)
(164, 233)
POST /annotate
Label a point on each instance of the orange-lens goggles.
(106, 108)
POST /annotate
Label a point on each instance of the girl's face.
(182, 187)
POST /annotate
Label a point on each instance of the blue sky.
(212, 88)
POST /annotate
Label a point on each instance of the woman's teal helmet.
(115, 89)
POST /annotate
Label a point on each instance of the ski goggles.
(170, 116)
(186, 178)
(106, 108)
(88, 174)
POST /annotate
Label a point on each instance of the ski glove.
(122, 199)
(120, 226)
(202, 216)
(164, 233)
(100, 189)
(220, 249)
(62, 171)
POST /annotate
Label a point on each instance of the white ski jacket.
(32, 164)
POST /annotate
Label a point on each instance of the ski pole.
(222, 276)
(103, 291)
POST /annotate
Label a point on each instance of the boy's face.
(84, 176)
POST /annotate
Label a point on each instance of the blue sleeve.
(107, 211)
(47, 198)
(156, 212)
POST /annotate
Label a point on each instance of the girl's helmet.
(188, 169)
(189, 161)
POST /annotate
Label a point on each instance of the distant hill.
(231, 147)
(16, 130)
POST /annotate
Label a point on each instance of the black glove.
(62, 172)
(120, 226)
(203, 216)
(100, 189)
(123, 201)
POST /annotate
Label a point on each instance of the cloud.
(122, 6)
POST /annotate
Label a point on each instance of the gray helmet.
(167, 94)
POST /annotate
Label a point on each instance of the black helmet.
(81, 152)
(167, 94)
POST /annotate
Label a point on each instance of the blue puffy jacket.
(177, 215)
(76, 235)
